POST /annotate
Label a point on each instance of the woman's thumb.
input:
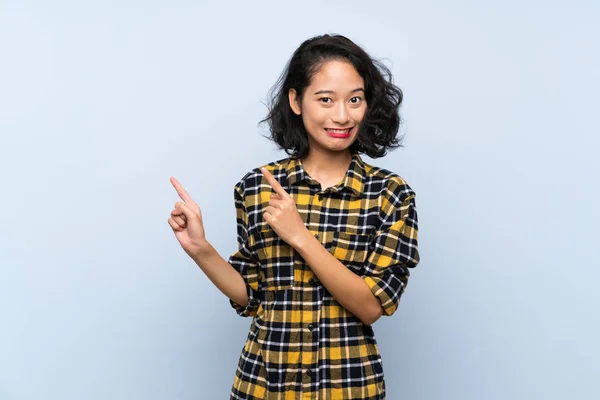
(189, 214)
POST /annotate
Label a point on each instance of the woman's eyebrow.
(331, 91)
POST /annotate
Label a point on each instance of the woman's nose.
(340, 115)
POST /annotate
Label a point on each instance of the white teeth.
(339, 130)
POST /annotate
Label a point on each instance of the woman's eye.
(355, 99)
(325, 99)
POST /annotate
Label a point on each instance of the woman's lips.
(339, 133)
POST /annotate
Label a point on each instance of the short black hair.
(379, 129)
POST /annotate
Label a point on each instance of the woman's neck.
(327, 168)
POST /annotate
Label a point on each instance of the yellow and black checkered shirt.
(302, 343)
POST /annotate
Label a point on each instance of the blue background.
(101, 102)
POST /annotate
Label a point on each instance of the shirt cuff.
(251, 308)
(387, 291)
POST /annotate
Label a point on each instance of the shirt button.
(313, 282)
(309, 372)
(311, 327)
(316, 236)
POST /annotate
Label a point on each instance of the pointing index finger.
(273, 182)
(181, 191)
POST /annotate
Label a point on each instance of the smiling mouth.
(339, 132)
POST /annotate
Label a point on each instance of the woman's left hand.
(282, 215)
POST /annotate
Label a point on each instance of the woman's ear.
(294, 102)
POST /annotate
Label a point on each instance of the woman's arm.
(349, 289)
(384, 275)
(186, 222)
(222, 274)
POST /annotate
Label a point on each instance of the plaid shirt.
(302, 343)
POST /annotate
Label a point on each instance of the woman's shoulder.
(379, 179)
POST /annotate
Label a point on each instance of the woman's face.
(332, 107)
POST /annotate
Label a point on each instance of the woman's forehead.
(336, 76)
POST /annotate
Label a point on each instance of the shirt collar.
(353, 180)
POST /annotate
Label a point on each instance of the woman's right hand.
(186, 222)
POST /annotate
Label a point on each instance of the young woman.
(325, 239)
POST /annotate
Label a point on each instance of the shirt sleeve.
(243, 261)
(394, 251)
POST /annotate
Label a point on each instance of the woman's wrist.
(303, 240)
(202, 253)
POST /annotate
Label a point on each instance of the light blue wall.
(101, 103)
